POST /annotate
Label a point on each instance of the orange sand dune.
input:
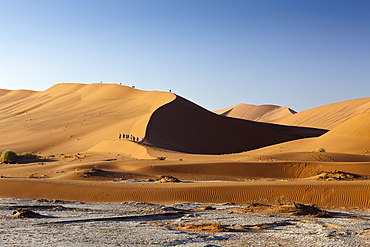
(186, 127)
(352, 136)
(261, 113)
(74, 117)
(78, 117)
(83, 121)
(4, 92)
(327, 116)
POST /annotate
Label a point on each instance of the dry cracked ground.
(62, 223)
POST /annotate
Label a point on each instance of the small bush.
(169, 178)
(320, 149)
(161, 158)
(29, 155)
(8, 156)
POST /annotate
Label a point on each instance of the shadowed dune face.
(186, 127)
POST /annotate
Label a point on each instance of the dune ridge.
(260, 113)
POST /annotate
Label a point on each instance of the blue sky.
(299, 54)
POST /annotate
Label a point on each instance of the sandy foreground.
(188, 158)
(96, 177)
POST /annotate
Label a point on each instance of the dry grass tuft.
(168, 179)
(339, 175)
(284, 206)
(29, 155)
(25, 213)
(203, 227)
(320, 149)
(208, 208)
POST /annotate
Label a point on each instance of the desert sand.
(319, 156)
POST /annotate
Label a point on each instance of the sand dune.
(4, 92)
(260, 113)
(74, 117)
(327, 116)
(83, 122)
(351, 136)
(186, 127)
(358, 126)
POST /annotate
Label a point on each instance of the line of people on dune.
(131, 137)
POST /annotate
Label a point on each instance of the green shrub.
(320, 149)
(8, 156)
(30, 155)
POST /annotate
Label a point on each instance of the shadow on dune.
(226, 112)
(186, 127)
(27, 160)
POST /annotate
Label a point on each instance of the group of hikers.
(131, 137)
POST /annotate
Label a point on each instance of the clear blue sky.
(298, 53)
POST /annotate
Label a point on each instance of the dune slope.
(186, 127)
(351, 136)
(327, 116)
(75, 117)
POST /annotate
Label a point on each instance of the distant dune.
(327, 116)
(260, 113)
(186, 127)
